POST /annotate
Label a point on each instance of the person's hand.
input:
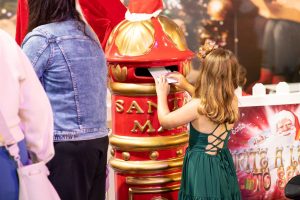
(162, 86)
(181, 80)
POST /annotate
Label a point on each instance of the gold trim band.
(133, 89)
(147, 143)
(133, 191)
(145, 166)
(153, 180)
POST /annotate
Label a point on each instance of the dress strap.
(216, 144)
(226, 126)
(214, 130)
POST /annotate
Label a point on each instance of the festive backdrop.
(266, 151)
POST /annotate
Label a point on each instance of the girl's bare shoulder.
(195, 101)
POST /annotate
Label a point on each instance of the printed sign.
(266, 150)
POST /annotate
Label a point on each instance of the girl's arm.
(181, 116)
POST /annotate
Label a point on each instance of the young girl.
(208, 170)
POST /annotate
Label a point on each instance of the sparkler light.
(217, 9)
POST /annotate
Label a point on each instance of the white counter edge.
(269, 99)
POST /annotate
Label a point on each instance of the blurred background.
(234, 24)
(8, 15)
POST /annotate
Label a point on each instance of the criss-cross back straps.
(215, 144)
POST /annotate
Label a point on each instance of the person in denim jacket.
(71, 66)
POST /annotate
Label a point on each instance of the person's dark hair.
(242, 75)
(47, 11)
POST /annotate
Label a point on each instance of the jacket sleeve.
(37, 49)
(35, 113)
(30, 105)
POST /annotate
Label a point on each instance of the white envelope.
(161, 71)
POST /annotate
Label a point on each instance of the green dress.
(205, 176)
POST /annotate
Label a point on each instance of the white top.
(135, 17)
(23, 103)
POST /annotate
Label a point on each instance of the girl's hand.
(162, 86)
(181, 80)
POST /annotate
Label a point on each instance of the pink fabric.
(24, 103)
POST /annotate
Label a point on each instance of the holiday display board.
(265, 144)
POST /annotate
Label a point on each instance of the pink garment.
(23, 101)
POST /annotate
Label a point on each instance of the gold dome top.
(154, 39)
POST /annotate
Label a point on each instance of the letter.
(263, 160)
(267, 181)
(137, 125)
(175, 100)
(119, 105)
(150, 105)
(278, 157)
(254, 167)
(135, 105)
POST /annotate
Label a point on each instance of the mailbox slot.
(143, 71)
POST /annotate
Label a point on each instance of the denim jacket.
(71, 66)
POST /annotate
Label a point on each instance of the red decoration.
(102, 16)
(145, 7)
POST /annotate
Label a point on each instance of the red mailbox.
(146, 158)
